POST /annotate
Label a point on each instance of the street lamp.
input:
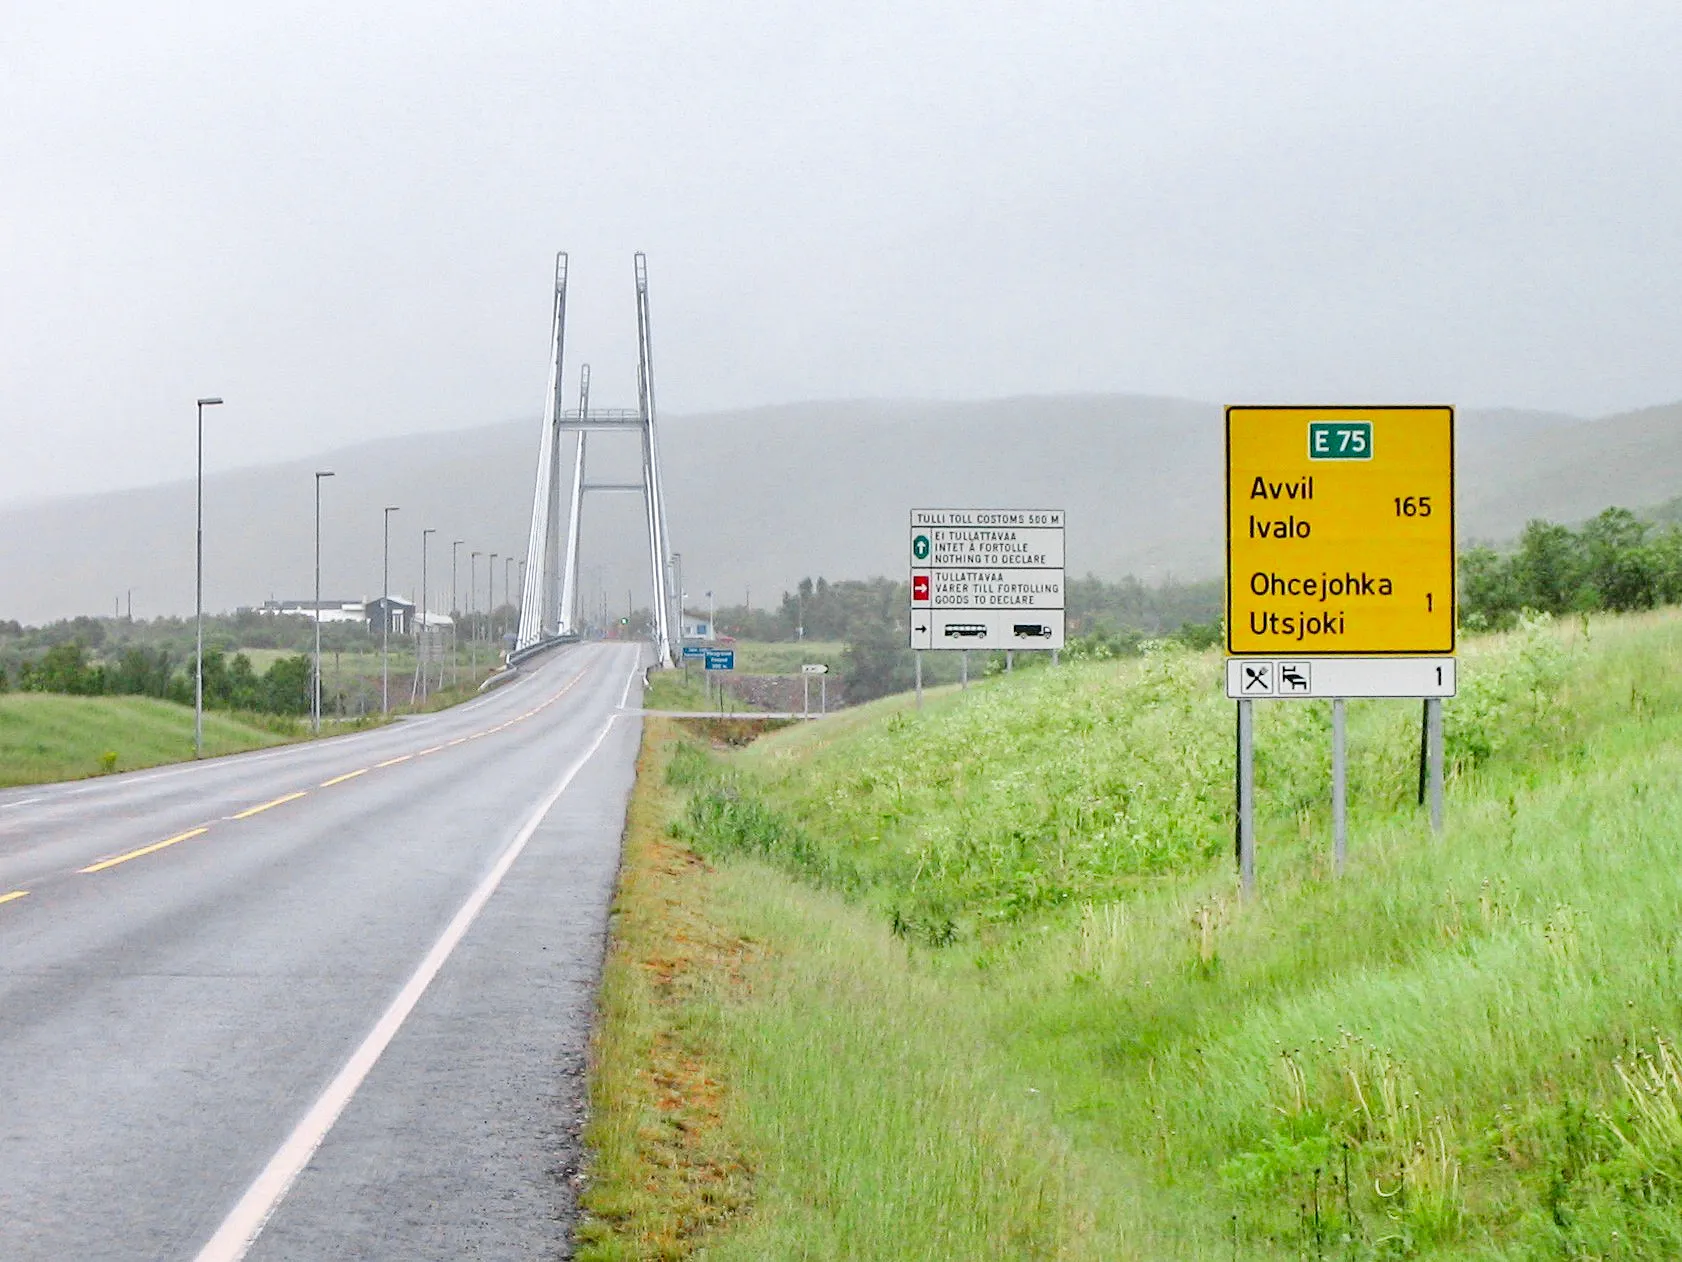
(507, 596)
(315, 690)
(677, 575)
(472, 603)
(198, 594)
(385, 617)
(420, 629)
(490, 596)
(455, 611)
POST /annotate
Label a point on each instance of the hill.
(759, 498)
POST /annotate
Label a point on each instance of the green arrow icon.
(920, 547)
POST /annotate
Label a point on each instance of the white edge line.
(240, 1229)
(7, 806)
(625, 698)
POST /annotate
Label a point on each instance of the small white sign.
(814, 668)
(1320, 677)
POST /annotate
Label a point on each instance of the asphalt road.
(338, 991)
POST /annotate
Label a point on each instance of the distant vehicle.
(1028, 629)
(968, 630)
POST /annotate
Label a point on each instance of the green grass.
(673, 690)
(44, 737)
(1004, 1002)
(766, 658)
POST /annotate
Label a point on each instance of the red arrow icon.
(920, 589)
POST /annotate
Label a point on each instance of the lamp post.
(420, 627)
(472, 602)
(490, 597)
(507, 597)
(198, 594)
(315, 684)
(385, 616)
(677, 575)
(455, 611)
(513, 609)
(712, 618)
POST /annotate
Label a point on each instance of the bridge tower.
(549, 600)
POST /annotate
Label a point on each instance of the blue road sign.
(693, 650)
(720, 659)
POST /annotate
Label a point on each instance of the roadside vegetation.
(89, 696)
(989, 991)
(254, 663)
(45, 738)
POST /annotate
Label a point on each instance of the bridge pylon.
(549, 599)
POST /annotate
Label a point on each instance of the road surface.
(338, 992)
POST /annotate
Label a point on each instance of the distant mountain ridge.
(760, 497)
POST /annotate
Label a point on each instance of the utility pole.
(385, 617)
(490, 598)
(198, 595)
(315, 688)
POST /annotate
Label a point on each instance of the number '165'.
(1413, 505)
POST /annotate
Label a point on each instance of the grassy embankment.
(974, 983)
(45, 737)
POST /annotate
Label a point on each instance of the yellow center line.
(349, 775)
(392, 762)
(13, 896)
(425, 752)
(254, 810)
(144, 850)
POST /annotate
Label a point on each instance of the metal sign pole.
(805, 696)
(1434, 726)
(964, 678)
(1340, 789)
(1246, 799)
(919, 656)
(1424, 746)
(823, 695)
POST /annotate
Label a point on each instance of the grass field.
(44, 737)
(975, 983)
(764, 658)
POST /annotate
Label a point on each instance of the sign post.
(1340, 575)
(806, 672)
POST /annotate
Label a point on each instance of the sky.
(343, 218)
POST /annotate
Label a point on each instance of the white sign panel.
(1285, 679)
(987, 578)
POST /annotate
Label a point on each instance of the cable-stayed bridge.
(549, 599)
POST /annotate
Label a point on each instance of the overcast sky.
(343, 217)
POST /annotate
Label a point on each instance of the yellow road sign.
(1340, 530)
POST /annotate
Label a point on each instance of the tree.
(1618, 563)
(1549, 569)
(877, 664)
(286, 686)
(64, 668)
